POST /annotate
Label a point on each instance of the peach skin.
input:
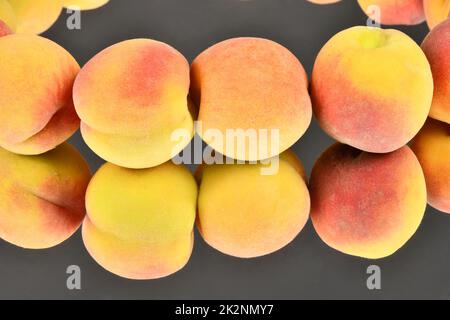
(139, 223)
(395, 12)
(250, 85)
(131, 98)
(432, 147)
(372, 88)
(42, 197)
(246, 214)
(85, 4)
(35, 16)
(436, 11)
(437, 48)
(365, 204)
(4, 29)
(7, 14)
(36, 107)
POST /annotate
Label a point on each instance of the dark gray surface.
(307, 268)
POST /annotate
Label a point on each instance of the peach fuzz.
(396, 12)
(36, 107)
(437, 48)
(7, 14)
(432, 148)
(131, 98)
(35, 16)
(85, 4)
(4, 29)
(251, 84)
(246, 214)
(139, 223)
(42, 196)
(365, 204)
(372, 88)
(436, 11)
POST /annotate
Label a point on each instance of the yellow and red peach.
(432, 148)
(35, 16)
(36, 79)
(7, 14)
(365, 204)
(85, 4)
(254, 85)
(131, 98)
(436, 11)
(4, 29)
(395, 12)
(139, 223)
(42, 196)
(372, 88)
(246, 214)
(437, 48)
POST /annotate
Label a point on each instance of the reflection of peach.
(436, 11)
(37, 76)
(4, 29)
(366, 92)
(131, 97)
(432, 147)
(85, 4)
(246, 214)
(139, 223)
(392, 12)
(251, 85)
(35, 16)
(437, 49)
(364, 204)
(323, 1)
(42, 197)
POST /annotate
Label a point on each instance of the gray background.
(307, 268)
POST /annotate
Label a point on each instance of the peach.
(432, 147)
(395, 12)
(4, 29)
(365, 204)
(139, 223)
(132, 98)
(36, 78)
(7, 14)
(35, 16)
(436, 11)
(246, 214)
(437, 48)
(42, 196)
(372, 88)
(250, 85)
(85, 4)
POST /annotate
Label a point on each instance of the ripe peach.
(396, 12)
(436, 11)
(85, 4)
(437, 48)
(246, 214)
(131, 98)
(365, 204)
(139, 223)
(36, 79)
(4, 29)
(42, 197)
(372, 88)
(35, 16)
(250, 85)
(432, 147)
